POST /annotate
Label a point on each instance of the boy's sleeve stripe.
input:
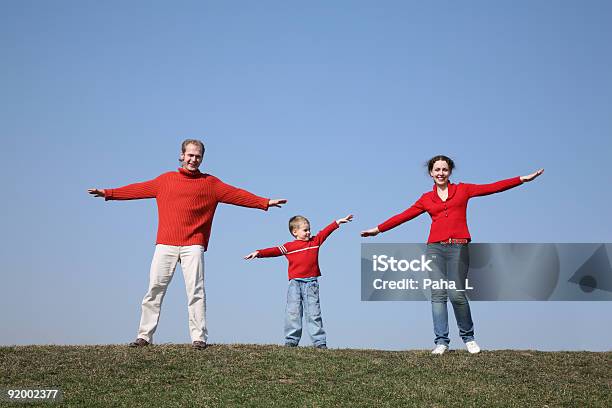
(283, 249)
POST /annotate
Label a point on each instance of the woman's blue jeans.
(303, 298)
(450, 263)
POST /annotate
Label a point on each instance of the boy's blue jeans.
(303, 298)
(450, 263)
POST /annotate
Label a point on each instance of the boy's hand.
(278, 202)
(96, 192)
(346, 219)
(252, 255)
(370, 233)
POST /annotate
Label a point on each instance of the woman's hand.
(531, 176)
(370, 233)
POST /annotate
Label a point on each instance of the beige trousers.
(163, 266)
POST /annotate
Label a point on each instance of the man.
(186, 202)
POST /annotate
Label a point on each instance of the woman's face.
(440, 173)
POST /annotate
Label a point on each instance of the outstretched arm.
(478, 190)
(268, 252)
(325, 232)
(229, 194)
(414, 211)
(146, 189)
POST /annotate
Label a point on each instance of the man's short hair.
(295, 222)
(192, 141)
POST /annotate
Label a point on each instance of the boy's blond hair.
(295, 222)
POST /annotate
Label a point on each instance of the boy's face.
(302, 231)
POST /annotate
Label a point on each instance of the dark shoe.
(322, 346)
(199, 345)
(290, 345)
(139, 343)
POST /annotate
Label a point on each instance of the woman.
(447, 244)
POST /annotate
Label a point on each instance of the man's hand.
(346, 219)
(278, 202)
(96, 192)
(370, 233)
(252, 255)
(531, 176)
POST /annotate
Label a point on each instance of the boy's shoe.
(322, 346)
(472, 347)
(139, 343)
(199, 345)
(290, 345)
(440, 349)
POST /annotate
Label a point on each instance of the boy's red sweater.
(186, 204)
(448, 217)
(303, 256)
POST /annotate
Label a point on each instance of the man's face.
(192, 158)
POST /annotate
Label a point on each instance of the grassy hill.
(273, 376)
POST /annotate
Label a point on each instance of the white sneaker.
(472, 347)
(440, 349)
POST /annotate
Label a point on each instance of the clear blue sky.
(333, 105)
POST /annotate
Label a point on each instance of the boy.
(303, 292)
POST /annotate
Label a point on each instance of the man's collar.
(189, 173)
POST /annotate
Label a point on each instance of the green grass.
(273, 376)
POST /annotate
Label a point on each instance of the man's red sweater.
(303, 256)
(186, 204)
(448, 217)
